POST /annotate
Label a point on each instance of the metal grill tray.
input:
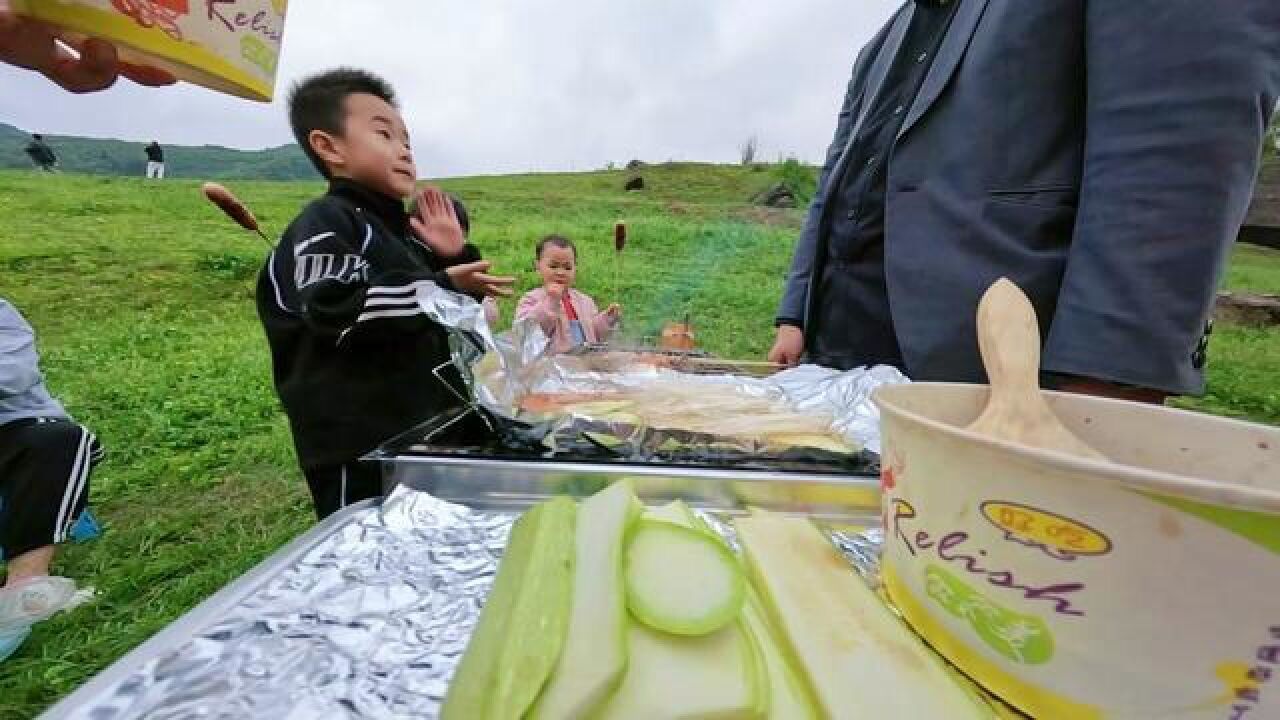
(464, 438)
(366, 615)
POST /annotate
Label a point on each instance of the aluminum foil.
(500, 369)
(370, 623)
(845, 395)
(503, 361)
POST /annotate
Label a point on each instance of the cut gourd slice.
(674, 512)
(595, 652)
(681, 581)
(860, 661)
(718, 675)
(670, 676)
(828, 442)
(783, 695)
(788, 699)
(521, 630)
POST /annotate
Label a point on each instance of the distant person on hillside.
(41, 154)
(569, 317)
(46, 459)
(352, 350)
(155, 161)
(94, 66)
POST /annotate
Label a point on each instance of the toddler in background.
(569, 317)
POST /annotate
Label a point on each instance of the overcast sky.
(512, 86)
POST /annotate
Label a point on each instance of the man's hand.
(613, 313)
(788, 347)
(93, 66)
(436, 223)
(473, 279)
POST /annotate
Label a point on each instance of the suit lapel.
(944, 65)
(875, 80)
(880, 68)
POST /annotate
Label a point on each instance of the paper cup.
(227, 45)
(1144, 588)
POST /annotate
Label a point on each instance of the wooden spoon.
(1016, 412)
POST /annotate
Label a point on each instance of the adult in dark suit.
(1100, 154)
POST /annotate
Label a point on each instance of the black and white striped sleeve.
(323, 275)
(383, 309)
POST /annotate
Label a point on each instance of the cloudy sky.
(512, 86)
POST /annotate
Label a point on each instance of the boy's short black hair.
(559, 241)
(319, 103)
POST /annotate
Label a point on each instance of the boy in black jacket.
(352, 352)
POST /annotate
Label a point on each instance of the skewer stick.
(229, 204)
(619, 242)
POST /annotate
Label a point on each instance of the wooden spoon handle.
(1009, 340)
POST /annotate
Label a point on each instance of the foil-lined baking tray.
(439, 456)
(367, 614)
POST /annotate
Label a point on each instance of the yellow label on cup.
(1053, 533)
(232, 46)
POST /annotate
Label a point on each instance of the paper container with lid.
(1148, 587)
(231, 46)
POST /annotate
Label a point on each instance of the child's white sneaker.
(34, 599)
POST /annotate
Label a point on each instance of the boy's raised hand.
(436, 223)
(473, 279)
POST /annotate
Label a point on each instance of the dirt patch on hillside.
(771, 217)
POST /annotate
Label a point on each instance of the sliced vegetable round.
(681, 581)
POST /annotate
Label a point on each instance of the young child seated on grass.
(569, 317)
(352, 351)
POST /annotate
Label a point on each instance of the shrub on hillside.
(799, 178)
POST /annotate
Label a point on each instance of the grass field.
(141, 295)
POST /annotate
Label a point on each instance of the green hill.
(96, 156)
(142, 297)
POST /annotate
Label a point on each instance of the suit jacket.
(1100, 154)
(537, 304)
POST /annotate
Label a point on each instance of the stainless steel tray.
(366, 614)
(82, 702)
(511, 486)
(469, 434)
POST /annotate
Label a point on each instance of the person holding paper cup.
(93, 65)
